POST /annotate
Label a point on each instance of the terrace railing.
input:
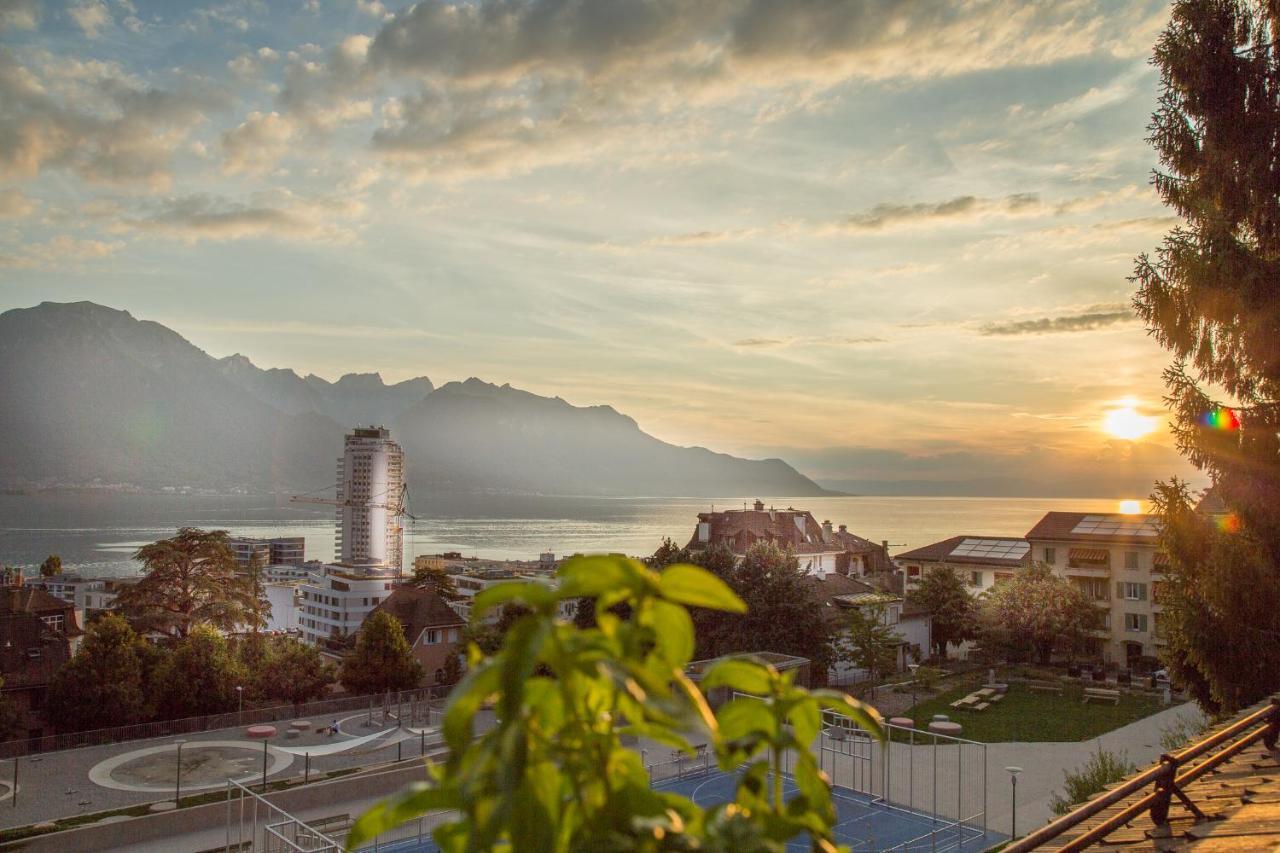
(1167, 778)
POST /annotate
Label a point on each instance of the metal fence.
(256, 824)
(411, 706)
(936, 775)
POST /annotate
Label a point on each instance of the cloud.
(61, 251)
(19, 14)
(15, 204)
(251, 64)
(94, 119)
(257, 144)
(276, 214)
(806, 340)
(91, 16)
(1084, 322)
(958, 209)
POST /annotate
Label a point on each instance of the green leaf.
(697, 587)
(472, 692)
(535, 595)
(416, 800)
(865, 716)
(591, 576)
(741, 673)
(806, 720)
(672, 629)
(744, 716)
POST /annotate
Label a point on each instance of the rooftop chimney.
(758, 506)
(843, 528)
(826, 530)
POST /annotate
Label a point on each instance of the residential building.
(835, 595)
(72, 589)
(335, 602)
(1116, 561)
(478, 576)
(276, 551)
(370, 500)
(102, 598)
(432, 627)
(980, 561)
(819, 548)
(38, 634)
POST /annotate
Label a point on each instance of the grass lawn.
(1027, 715)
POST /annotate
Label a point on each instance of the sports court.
(864, 823)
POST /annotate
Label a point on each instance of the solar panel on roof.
(999, 549)
(1116, 525)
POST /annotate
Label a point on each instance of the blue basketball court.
(862, 822)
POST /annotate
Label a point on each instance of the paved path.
(1043, 765)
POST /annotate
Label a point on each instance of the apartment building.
(370, 500)
(1115, 560)
(980, 561)
(335, 602)
(432, 627)
(276, 551)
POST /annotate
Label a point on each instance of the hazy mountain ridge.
(93, 394)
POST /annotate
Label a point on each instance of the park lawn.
(1030, 716)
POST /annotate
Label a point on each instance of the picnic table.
(1101, 694)
(1045, 686)
(945, 727)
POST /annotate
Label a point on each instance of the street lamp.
(1013, 800)
(240, 711)
(913, 667)
(177, 784)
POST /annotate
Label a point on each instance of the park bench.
(1101, 695)
(1045, 686)
(999, 697)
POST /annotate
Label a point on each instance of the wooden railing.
(1169, 776)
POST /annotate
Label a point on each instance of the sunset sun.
(1127, 423)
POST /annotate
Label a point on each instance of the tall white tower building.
(370, 500)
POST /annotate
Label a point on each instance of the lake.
(96, 534)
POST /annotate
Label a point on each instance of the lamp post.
(240, 709)
(177, 784)
(1013, 800)
(913, 667)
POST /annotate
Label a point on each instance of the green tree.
(295, 672)
(782, 615)
(199, 676)
(954, 612)
(437, 579)
(1210, 296)
(869, 643)
(1035, 612)
(51, 566)
(102, 686)
(382, 659)
(253, 650)
(454, 669)
(553, 773)
(190, 580)
(257, 606)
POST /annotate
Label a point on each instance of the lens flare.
(1229, 523)
(1221, 419)
(1127, 423)
(1130, 507)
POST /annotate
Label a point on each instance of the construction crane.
(397, 508)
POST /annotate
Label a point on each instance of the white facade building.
(370, 500)
(335, 602)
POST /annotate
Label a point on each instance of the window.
(1135, 622)
(433, 636)
(1051, 555)
(1106, 621)
(893, 616)
(1131, 559)
(1132, 591)
(913, 571)
(975, 578)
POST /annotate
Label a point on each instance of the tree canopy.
(954, 612)
(51, 566)
(191, 579)
(869, 643)
(1211, 296)
(1035, 612)
(437, 579)
(382, 659)
(293, 671)
(102, 686)
(199, 676)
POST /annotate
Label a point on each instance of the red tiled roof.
(1062, 526)
(419, 609)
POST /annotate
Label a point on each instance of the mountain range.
(93, 395)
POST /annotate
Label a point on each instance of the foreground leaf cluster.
(553, 773)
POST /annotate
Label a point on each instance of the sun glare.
(1130, 507)
(1126, 422)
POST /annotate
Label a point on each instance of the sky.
(884, 240)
